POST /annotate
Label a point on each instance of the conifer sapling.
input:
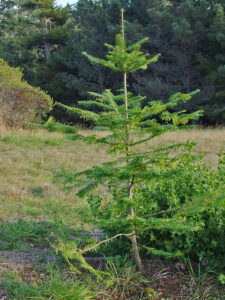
(126, 124)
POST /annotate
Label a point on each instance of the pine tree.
(52, 31)
(217, 72)
(15, 27)
(31, 31)
(128, 124)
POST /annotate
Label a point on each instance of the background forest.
(46, 41)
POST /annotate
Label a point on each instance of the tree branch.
(165, 211)
(106, 241)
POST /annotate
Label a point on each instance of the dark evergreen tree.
(216, 66)
(51, 32)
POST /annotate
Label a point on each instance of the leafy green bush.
(173, 190)
(19, 101)
(191, 181)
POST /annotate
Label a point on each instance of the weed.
(123, 281)
(221, 278)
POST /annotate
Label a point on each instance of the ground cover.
(33, 205)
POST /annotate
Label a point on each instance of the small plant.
(200, 276)
(221, 278)
(123, 281)
(152, 294)
(130, 124)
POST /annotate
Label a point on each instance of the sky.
(64, 2)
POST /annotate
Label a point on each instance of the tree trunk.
(47, 52)
(130, 184)
(47, 46)
(135, 245)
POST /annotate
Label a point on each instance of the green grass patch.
(32, 140)
(54, 286)
(27, 234)
(23, 235)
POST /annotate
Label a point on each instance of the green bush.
(170, 189)
(19, 101)
(191, 181)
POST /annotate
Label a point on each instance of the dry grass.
(208, 141)
(30, 159)
(28, 163)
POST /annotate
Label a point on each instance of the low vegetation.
(33, 205)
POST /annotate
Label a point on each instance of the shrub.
(19, 101)
(191, 184)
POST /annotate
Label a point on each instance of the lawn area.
(33, 204)
(30, 160)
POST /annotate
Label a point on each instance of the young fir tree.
(126, 124)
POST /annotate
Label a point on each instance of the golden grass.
(208, 141)
(30, 159)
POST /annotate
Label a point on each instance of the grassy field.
(30, 160)
(32, 202)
